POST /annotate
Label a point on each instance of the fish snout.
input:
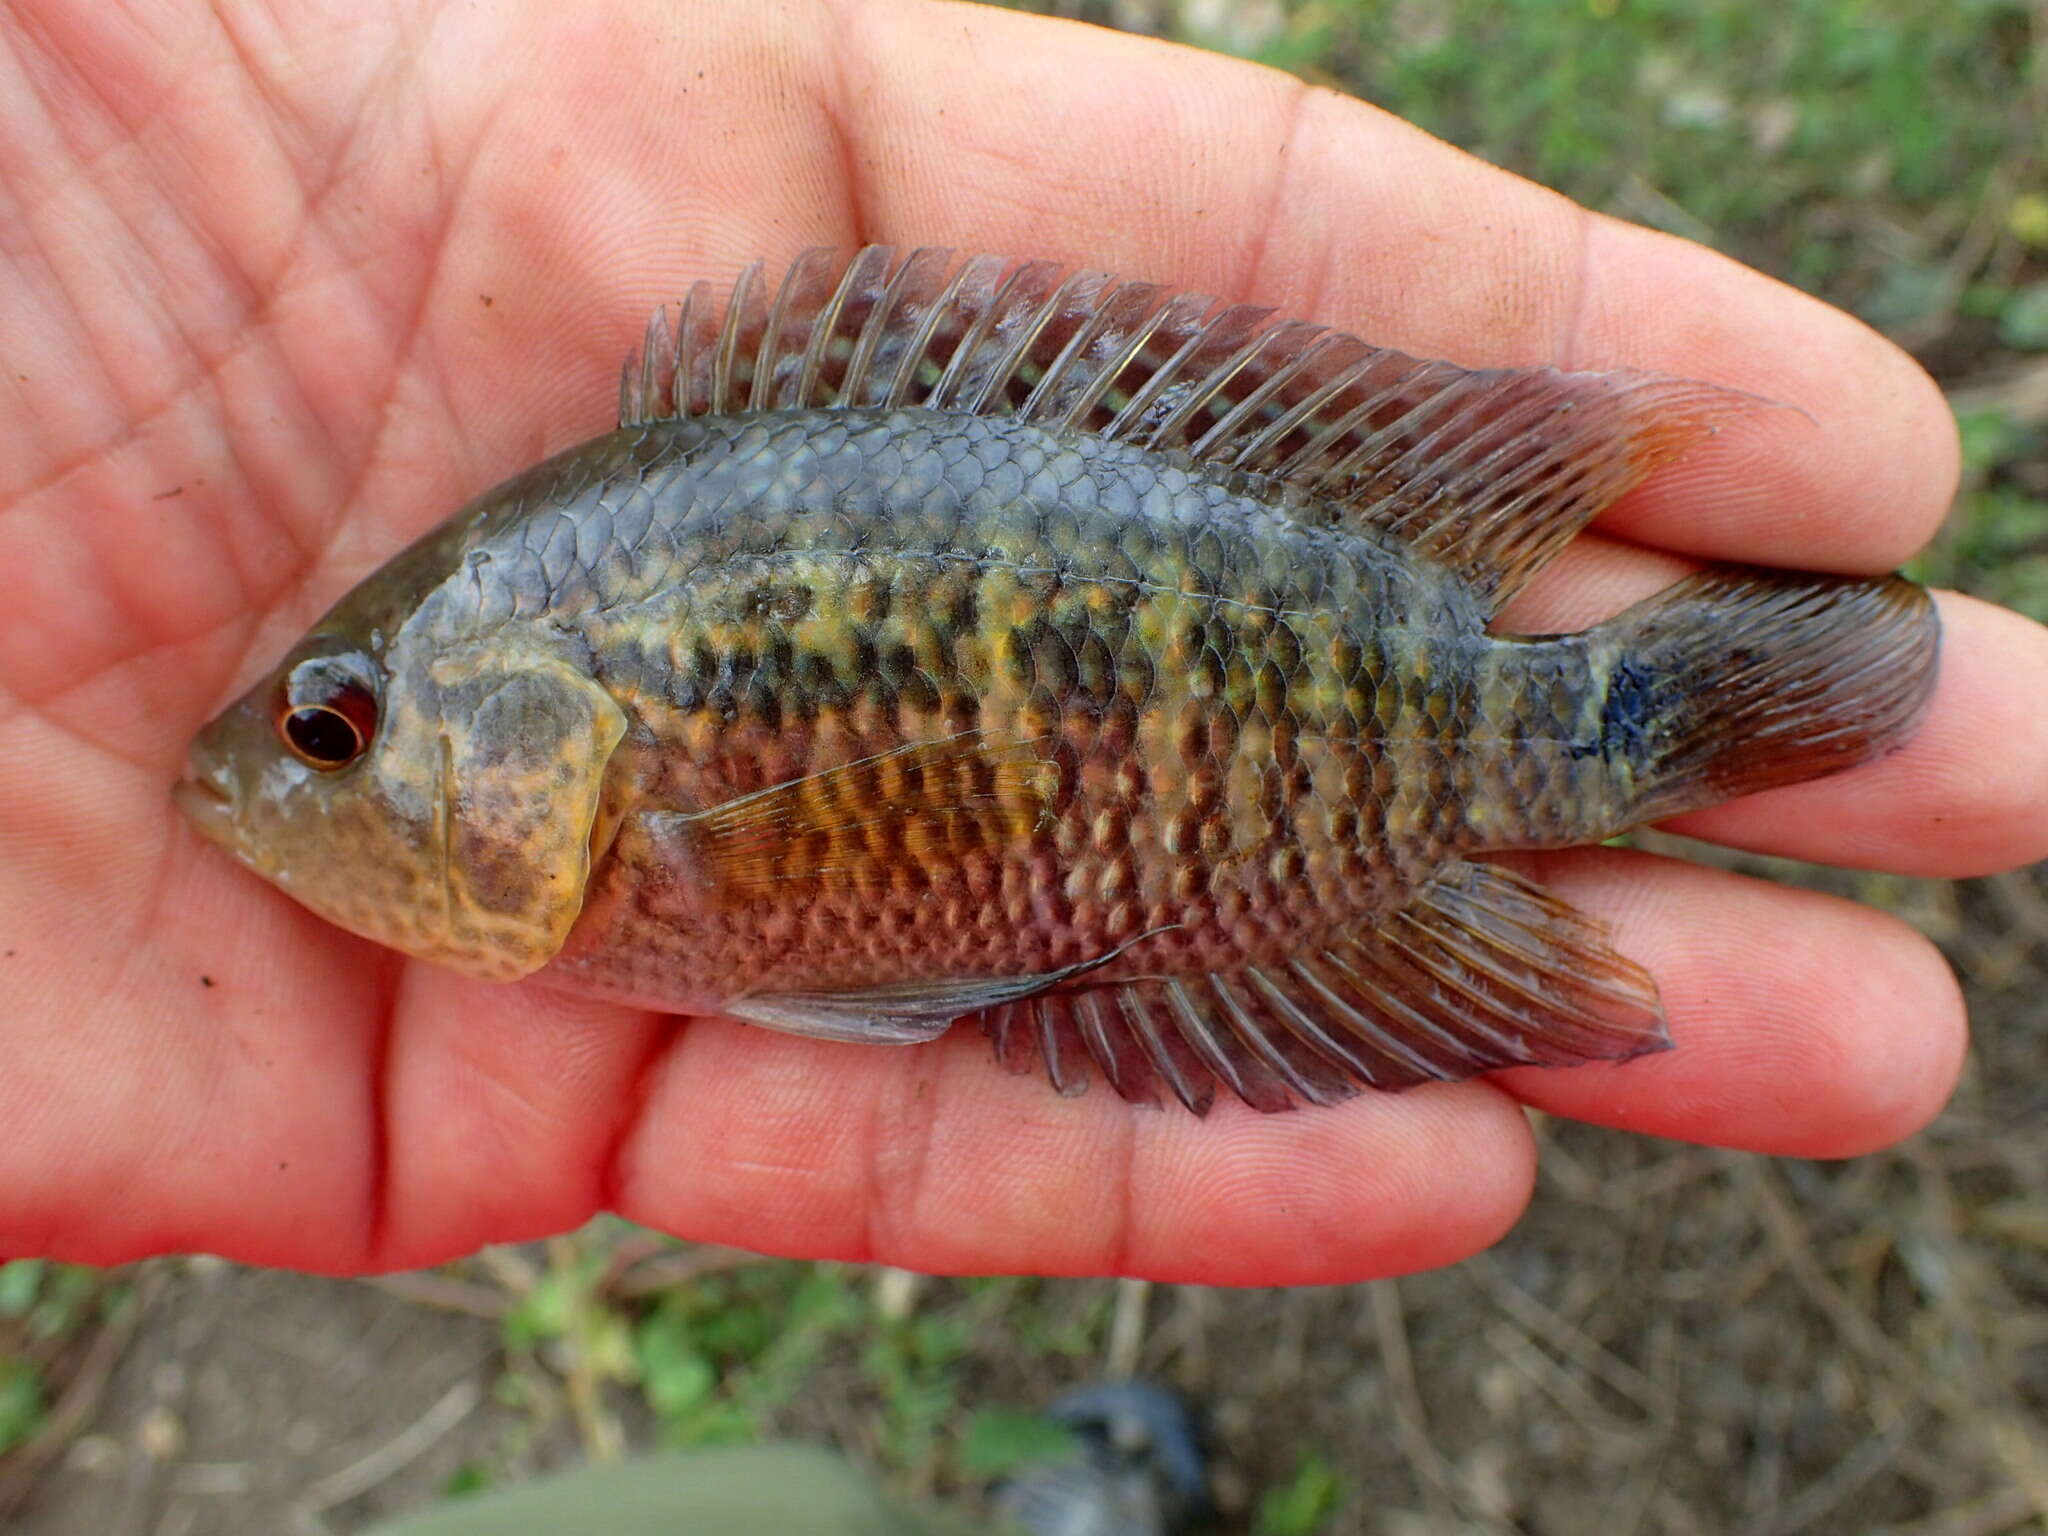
(211, 812)
(209, 794)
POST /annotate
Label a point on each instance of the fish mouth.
(207, 807)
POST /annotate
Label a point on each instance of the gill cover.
(524, 740)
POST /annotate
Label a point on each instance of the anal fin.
(1485, 970)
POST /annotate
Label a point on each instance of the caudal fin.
(1734, 681)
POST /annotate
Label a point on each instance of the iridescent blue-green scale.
(1266, 729)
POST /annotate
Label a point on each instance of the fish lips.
(207, 801)
(209, 795)
(207, 808)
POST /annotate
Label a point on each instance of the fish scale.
(978, 640)
(1210, 814)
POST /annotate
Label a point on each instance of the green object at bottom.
(744, 1490)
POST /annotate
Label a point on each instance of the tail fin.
(1737, 680)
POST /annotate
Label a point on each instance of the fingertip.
(1856, 478)
(1385, 1184)
(1803, 1025)
(1896, 1086)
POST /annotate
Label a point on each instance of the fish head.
(439, 798)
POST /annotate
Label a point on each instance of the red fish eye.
(323, 737)
(329, 726)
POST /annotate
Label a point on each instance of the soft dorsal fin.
(1490, 472)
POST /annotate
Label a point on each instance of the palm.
(266, 320)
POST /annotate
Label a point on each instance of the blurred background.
(1676, 1340)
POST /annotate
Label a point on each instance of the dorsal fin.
(1488, 471)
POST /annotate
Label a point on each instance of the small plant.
(997, 1441)
(1305, 1503)
(21, 1402)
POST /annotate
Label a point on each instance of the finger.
(995, 130)
(701, 145)
(500, 1110)
(1965, 794)
(187, 1064)
(934, 1158)
(1803, 1025)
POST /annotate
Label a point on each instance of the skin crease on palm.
(281, 285)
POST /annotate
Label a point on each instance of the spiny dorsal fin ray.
(1484, 970)
(1491, 472)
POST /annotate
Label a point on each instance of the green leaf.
(998, 1441)
(2027, 218)
(608, 1346)
(674, 1374)
(19, 1282)
(470, 1477)
(1988, 440)
(21, 1402)
(545, 1311)
(2024, 321)
(67, 1288)
(1303, 1504)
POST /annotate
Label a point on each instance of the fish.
(941, 638)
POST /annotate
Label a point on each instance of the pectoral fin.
(909, 1014)
(853, 826)
(1484, 970)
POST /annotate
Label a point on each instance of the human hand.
(282, 288)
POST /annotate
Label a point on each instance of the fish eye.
(327, 715)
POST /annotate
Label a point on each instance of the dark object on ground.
(1142, 1471)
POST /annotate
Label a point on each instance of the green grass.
(723, 1358)
(1785, 129)
(739, 1355)
(43, 1307)
(1303, 1504)
(1996, 543)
